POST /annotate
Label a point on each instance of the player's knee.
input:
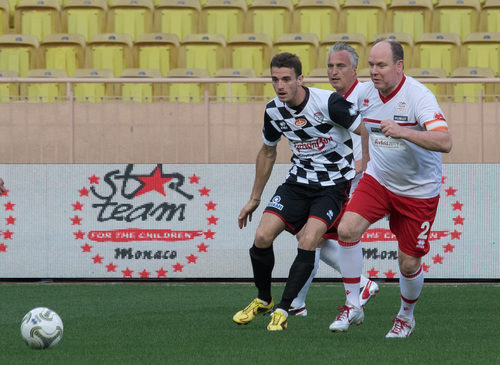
(347, 232)
(409, 265)
(263, 239)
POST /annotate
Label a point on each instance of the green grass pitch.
(172, 323)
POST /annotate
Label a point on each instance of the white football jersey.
(401, 166)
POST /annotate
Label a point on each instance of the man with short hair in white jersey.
(407, 133)
(342, 67)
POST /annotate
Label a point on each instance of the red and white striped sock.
(410, 286)
(351, 265)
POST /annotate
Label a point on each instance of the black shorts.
(294, 204)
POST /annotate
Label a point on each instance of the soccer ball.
(41, 328)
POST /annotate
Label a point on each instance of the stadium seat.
(238, 91)
(440, 90)
(4, 16)
(187, 92)
(367, 17)
(355, 40)
(363, 72)
(319, 73)
(469, 92)
(181, 17)
(268, 92)
(19, 53)
(9, 91)
(406, 41)
(134, 17)
(157, 51)
(205, 51)
(319, 17)
(482, 50)
(110, 50)
(270, 16)
(93, 92)
(37, 17)
(304, 45)
(86, 17)
(456, 16)
(140, 92)
(226, 17)
(250, 50)
(437, 50)
(410, 16)
(489, 17)
(44, 92)
(63, 51)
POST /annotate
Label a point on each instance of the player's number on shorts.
(425, 231)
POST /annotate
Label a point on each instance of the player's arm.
(2, 187)
(344, 113)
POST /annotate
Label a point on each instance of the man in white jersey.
(407, 133)
(342, 68)
(317, 124)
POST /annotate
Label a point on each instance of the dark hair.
(396, 48)
(287, 60)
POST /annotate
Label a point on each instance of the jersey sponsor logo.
(401, 107)
(388, 142)
(401, 118)
(318, 144)
(300, 122)
(439, 116)
(283, 126)
(274, 203)
(376, 130)
(319, 117)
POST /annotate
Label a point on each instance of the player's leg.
(298, 306)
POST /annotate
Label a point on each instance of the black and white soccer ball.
(41, 328)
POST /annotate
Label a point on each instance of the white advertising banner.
(180, 221)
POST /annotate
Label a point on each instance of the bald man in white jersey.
(407, 133)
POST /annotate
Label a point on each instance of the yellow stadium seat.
(489, 17)
(267, 88)
(44, 92)
(456, 16)
(157, 51)
(187, 92)
(470, 92)
(134, 17)
(425, 75)
(270, 16)
(37, 17)
(250, 50)
(406, 41)
(316, 16)
(87, 17)
(410, 16)
(140, 92)
(63, 51)
(226, 17)
(93, 92)
(437, 50)
(110, 50)
(363, 72)
(4, 16)
(181, 17)
(19, 53)
(482, 50)
(367, 17)
(237, 91)
(304, 45)
(319, 73)
(205, 51)
(9, 91)
(355, 40)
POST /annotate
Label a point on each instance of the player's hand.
(246, 213)
(2, 187)
(391, 129)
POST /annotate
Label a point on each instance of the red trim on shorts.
(414, 274)
(280, 217)
(331, 236)
(351, 280)
(348, 244)
(409, 301)
(320, 219)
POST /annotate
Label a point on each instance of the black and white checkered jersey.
(318, 135)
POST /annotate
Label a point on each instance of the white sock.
(410, 287)
(300, 300)
(351, 264)
(329, 254)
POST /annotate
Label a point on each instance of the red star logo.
(202, 247)
(7, 235)
(144, 274)
(347, 292)
(5, 193)
(439, 116)
(10, 220)
(127, 273)
(448, 248)
(177, 267)
(161, 273)
(83, 192)
(458, 220)
(450, 191)
(438, 259)
(209, 235)
(3, 247)
(9, 206)
(111, 267)
(97, 259)
(455, 235)
(76, 220)
(457, 205)
(212, 220)
(390, 274)
(86, 247)
(425, 267)
(210, 205)
(372, 273)
(153, 182)
(194, 179)
(94, 179)
(79, 235)
(204, 191)
(443, 179)
(192, 259)
(77, 206)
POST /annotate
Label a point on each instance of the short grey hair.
(341, 46)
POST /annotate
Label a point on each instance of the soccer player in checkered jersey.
(407, 133)
(317, 124)
(342, 67)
